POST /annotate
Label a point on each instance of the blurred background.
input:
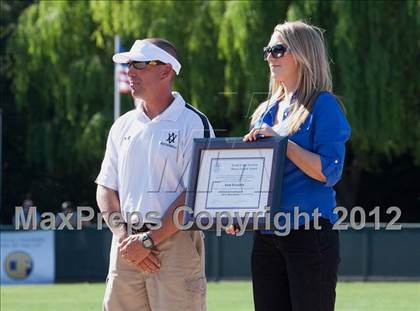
(57, 98)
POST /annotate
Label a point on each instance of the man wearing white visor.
(144, 176)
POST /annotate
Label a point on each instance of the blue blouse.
(324, 132)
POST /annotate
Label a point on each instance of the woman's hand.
(260, 132)
(232, 230)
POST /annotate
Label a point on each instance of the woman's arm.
(307, 161)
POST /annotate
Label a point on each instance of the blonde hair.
(306, 44)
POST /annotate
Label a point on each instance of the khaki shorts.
(180, 284)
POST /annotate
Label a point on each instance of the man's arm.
(168, 227)
(146, 259)
(108, 203)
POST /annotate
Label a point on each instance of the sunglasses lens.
(266, 51)
(137, 65)
(278, 51)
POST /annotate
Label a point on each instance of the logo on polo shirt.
(169, 138)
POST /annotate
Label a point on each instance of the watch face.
(147, 243)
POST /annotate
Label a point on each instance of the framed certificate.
(232, 181)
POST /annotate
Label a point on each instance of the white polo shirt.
(147, 161)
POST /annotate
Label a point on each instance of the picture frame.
(235, 182)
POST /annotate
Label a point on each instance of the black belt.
(143, 228)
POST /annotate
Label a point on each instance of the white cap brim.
(122, 58)
(143, 51)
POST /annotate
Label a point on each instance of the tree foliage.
(63, 74)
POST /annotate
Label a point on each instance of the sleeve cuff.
(105, 183)
(331, 168)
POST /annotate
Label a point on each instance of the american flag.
(122, 69)
(123, 84)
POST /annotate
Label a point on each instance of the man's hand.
(121, 237)
(133, 251)
(151, 263)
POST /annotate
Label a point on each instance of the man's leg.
(126, 286)
(180, 284)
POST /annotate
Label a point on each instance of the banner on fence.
(27, 257)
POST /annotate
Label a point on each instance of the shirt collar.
(171, 113)
(270, 115)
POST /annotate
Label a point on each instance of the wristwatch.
(147, 241)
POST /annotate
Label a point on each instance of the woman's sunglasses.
(139, 65)
(276, 51)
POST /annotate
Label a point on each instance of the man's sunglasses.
(139, 65)
(276, 51)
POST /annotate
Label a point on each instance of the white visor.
(143, 51)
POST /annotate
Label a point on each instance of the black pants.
(297, 272)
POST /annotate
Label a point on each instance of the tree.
(12, 126)
(62, 73)
(61, 89)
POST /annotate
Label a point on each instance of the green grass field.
(221, 296)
